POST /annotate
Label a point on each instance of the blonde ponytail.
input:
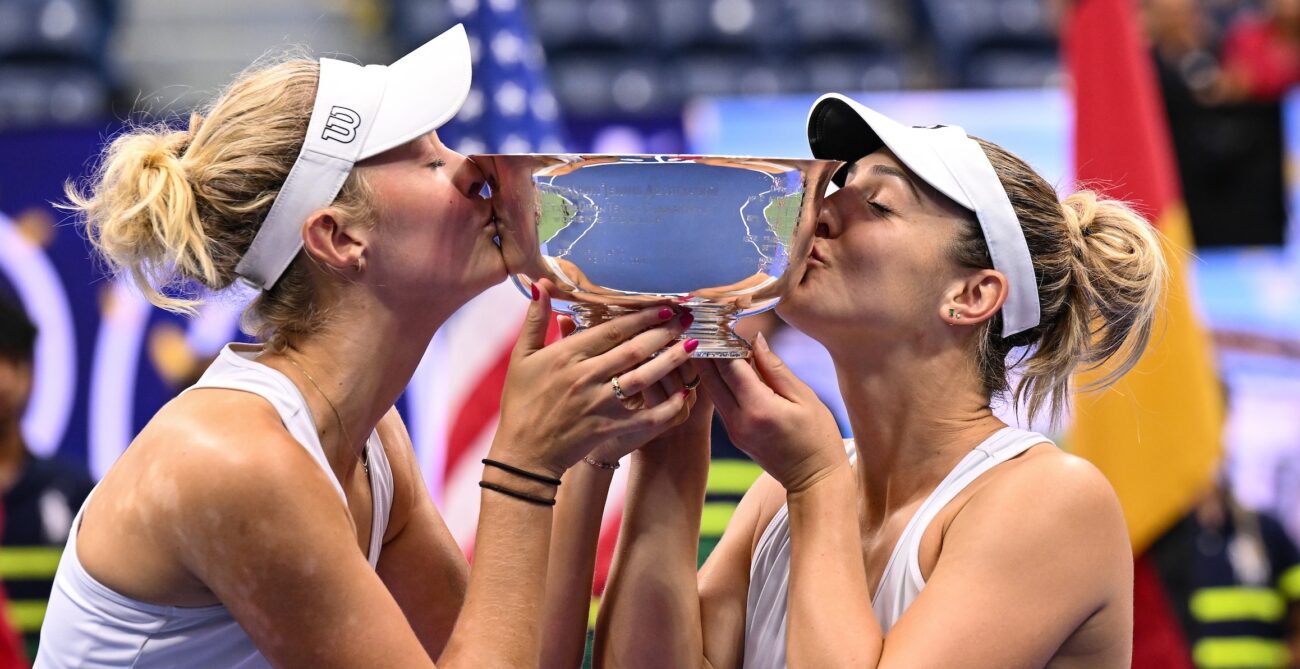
(141, 216)
(1101, 274)
(177, 209)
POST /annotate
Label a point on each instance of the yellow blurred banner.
(1157, 433)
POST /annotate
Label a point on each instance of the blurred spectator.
(1183, 40)
(1261, 54)
(1229, 147)
(1233, 576)
(41, 496)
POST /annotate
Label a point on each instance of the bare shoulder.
(229, 449)
(1050, 508)
(208, 479)
(1037, 543)
(1048, 483)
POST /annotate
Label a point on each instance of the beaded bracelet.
(602, 465)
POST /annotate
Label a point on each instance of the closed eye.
(885, 211)
(437, 162)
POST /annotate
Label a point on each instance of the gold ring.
(618, 389)
(692, 385)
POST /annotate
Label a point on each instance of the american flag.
(454, 398)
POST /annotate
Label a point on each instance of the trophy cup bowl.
(725, 236)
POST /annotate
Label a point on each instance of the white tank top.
(89, 625)
(769, 574)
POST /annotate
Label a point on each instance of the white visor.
(359, 112)
(955, 165)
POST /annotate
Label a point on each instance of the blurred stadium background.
(629, 76)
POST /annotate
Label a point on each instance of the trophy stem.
(713, 327)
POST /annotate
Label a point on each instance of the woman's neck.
(914, 416)
(357, 366)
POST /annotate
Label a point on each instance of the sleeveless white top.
(769, 574)
(89, 625)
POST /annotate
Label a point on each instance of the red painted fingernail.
(687, 319)
(537, 294)
(686, 298)
(686, 393)
(665, 314)
(691, 345)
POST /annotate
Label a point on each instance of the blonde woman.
(938, 537)
(274, 514)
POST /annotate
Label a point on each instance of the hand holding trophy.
(725, 236)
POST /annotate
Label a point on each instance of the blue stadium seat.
(51, 94)
(758, 24)
(964, 29)
(739, 73)
(65, 29)
(600, 83)
(855, 71)
(1013, 68)
(587, 24)
(414, 22)
(872, 24)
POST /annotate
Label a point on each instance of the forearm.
(578, 511)
(499, 624)
(650, 613)
(830, 621)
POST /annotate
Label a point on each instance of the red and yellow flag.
(1156, 433)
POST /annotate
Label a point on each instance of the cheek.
(891, 271)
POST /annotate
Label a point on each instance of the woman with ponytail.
(945, 273)
(274, 514)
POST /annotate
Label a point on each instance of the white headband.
(955, 165)
(359, 112)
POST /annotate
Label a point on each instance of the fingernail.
(762, 343)
(537, 294)
(691, 345)
(685, 298)
(686, 393)
(665, 314)
(687, 319)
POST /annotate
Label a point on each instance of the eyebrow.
(891, 171)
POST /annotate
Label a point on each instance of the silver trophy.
(726, 236)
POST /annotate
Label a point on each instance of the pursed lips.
(817, 256)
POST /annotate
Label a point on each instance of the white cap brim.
(946, 158)
(425, 90)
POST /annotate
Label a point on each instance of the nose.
(829, 218)
(466, 175)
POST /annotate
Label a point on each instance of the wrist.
(523, 455)
(824, 475)
(513, 484)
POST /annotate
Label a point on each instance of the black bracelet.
(516, 494)
(521, 472)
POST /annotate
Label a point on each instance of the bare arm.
(421, 564)
(650, 613)
(830, 621)
(578, 511)
(581, 502)
(657, 611)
